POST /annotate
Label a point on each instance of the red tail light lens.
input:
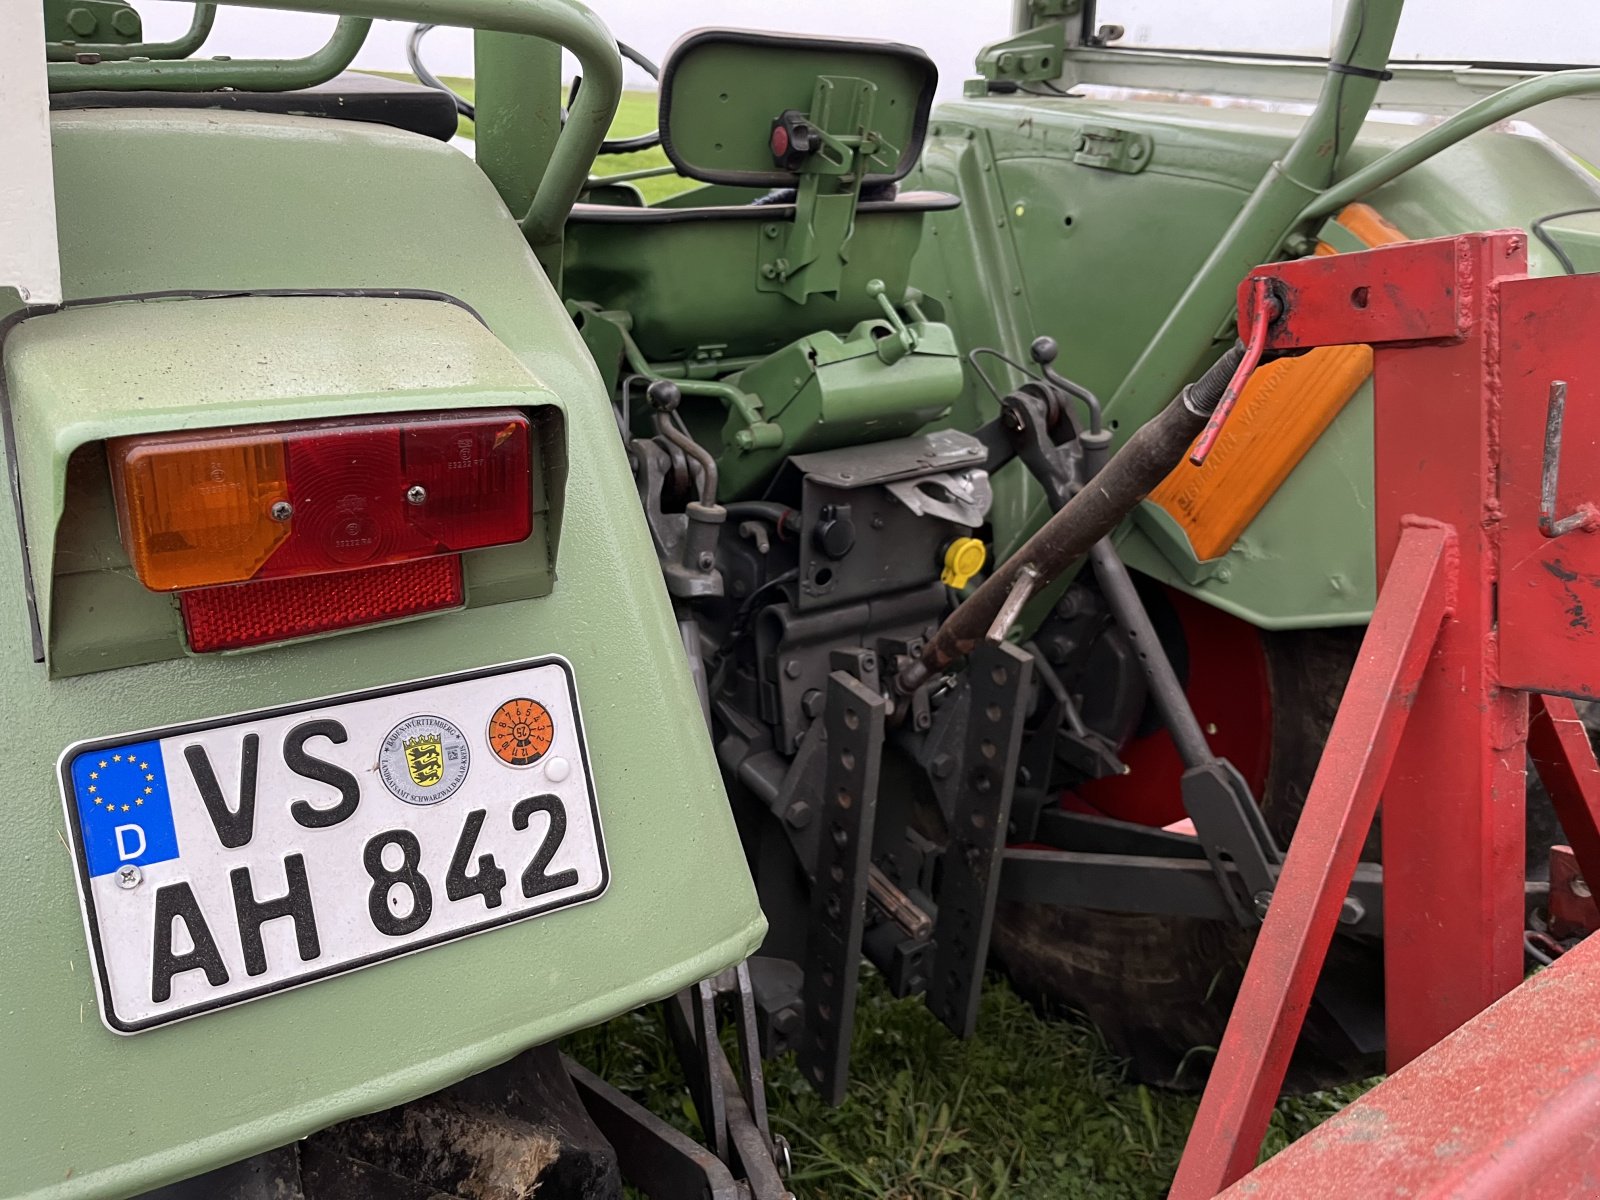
(279, 531)
(284, 501)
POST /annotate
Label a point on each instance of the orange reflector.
(1283, 411)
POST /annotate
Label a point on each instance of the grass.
(1030, 1107)
(636, 114)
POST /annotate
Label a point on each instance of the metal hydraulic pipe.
(1506, 103)
(210, 75)
(1360, 54)
(205, 15)
(1145, 460)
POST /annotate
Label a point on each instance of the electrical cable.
(785, 518)
(467, 109)
(1539, 231)
(464, 107)
(972, 358)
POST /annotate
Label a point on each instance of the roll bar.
(567, 23)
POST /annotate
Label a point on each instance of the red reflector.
(270, 610)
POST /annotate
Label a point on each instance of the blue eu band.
(124, 811)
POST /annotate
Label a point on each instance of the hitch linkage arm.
(1144, 461)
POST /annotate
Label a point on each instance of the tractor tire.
(1160, 988)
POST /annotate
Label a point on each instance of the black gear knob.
(1044, 350)
(663, 395)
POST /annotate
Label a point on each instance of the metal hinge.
(1031, 56)
(1109, 149)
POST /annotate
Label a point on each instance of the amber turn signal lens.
(198, 510)
(276, 501)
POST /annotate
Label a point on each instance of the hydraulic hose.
(1099, 507)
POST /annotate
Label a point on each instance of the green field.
(636, 114)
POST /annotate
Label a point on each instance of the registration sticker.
(227, 859)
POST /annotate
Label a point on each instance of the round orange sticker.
(520, 732)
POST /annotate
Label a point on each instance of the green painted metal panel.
(151, 200)
(1008, 265)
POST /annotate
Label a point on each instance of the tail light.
(278, 531)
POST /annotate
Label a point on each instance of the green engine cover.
(826, 391)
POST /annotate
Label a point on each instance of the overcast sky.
(951, 31)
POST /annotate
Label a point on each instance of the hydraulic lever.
(1266, 311)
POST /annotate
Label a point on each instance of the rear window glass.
(1448, 31)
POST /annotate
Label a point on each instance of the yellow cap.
(963, 559)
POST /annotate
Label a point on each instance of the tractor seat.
(351, 96)
(799, 144)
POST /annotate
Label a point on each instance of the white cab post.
(30, 260)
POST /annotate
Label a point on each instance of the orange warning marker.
(1282, 412)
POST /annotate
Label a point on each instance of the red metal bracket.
(1432, 717)
(1559, 745)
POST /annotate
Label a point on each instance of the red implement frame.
(1504, 1107)
(1435, 717)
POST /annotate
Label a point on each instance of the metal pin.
(1021, 590)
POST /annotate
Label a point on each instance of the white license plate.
(227, 859)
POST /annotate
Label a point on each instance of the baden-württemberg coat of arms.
(423, 760)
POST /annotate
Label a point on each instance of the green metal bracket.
(1109, 149)
(1049, 10)
(108, 22)
(193, 39)
(1031, 56)
(208, 75)
(810, 260)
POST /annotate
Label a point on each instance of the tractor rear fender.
(159, 201)
(1086, 218)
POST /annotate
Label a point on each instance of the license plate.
(227, 859)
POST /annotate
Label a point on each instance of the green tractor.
(386, 523)
(861, 364)
(334, 642)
